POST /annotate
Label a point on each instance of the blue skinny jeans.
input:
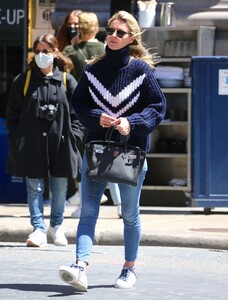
(35, 190)
(91, 195)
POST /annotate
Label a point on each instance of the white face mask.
(43, 60)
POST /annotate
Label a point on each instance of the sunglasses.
(120, 33)
(45, 51)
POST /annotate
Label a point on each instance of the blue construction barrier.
(12, 189)
(209, 131)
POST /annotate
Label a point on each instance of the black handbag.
(112, 161)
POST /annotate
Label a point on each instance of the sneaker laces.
(77, 267)
(125, 273)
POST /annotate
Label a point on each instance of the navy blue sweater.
(120, 87)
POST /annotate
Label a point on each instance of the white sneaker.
(58, 236)
(127, 279)
(75, 276)
(104, 199)
(37, 238)
(119, 213)
(73, 200)
(76, 214)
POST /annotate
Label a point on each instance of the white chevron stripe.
(122, 95)
(108, 111)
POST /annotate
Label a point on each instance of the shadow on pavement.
(180, 212)
(63, 290)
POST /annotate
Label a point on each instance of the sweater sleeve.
(87, 113)
(154, 103)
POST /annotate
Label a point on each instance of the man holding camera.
(44, 135)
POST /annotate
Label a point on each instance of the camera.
(48, 112)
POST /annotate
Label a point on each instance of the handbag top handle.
(109, 133)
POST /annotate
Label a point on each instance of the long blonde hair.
(136, 48)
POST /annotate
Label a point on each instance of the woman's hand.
(106, 120)
(123, 126)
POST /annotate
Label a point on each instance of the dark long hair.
(61, 35)
(62, 61)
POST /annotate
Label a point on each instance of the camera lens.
(50, 116)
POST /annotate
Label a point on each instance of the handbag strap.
(109, 133)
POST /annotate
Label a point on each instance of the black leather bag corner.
(114, 162)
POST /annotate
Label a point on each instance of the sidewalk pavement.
(161, 226)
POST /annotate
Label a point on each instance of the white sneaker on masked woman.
(37, 238)
(58, 235)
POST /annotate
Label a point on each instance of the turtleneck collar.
(117, 58)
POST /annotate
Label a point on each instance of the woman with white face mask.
(44, 135)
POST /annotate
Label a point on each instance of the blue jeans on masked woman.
(35, 191)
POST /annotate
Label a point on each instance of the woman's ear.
(132, 38)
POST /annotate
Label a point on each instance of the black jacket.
(38, 147)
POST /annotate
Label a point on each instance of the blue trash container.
(12, 189)
(209, 127)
